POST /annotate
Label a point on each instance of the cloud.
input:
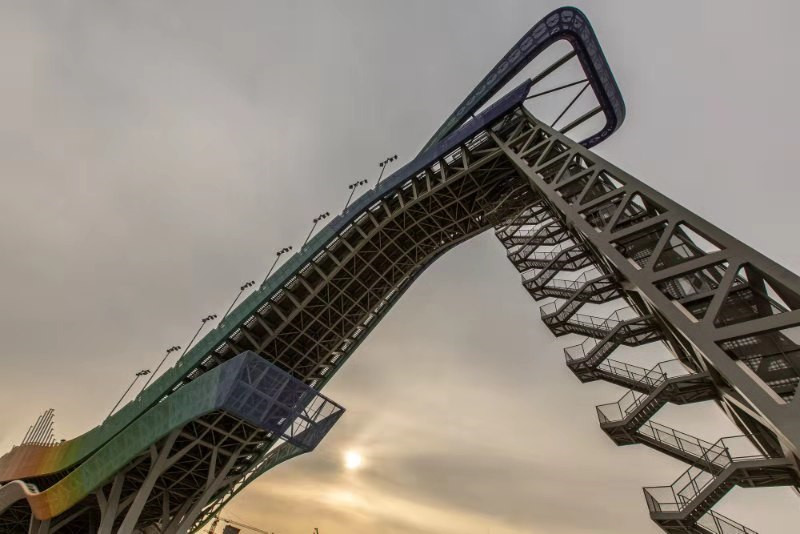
(155, 157)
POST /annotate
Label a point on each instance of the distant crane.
(217, 519)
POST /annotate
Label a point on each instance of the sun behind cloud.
(353, 460)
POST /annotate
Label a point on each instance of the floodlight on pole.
(278, 255)
(317, 219)
(383, 165)
(352, 187)
(242, 289)
(203, 322)
(139, 374)
(170, 350)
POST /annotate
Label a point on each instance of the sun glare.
(352, 460)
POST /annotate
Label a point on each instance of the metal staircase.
(626, 374)
(715, 523)
(680, 507)
(685, 506)
(540, 268)
(549, 233)
(541, 245)
(622, 420)
(623, 327)
(520, 229)
(680, 446)
(567, 289)
(592, 286)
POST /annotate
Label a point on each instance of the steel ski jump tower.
(581, 232)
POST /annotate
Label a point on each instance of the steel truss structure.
(580, 231)
(725, 311)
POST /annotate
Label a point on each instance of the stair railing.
(626, 405)
(587, 346)
(589, 276)
(678, 495)
(514, 228)
(630, 401)
(608, 323)
(522, 252)
(647, 377)
(716, 523)
(550, 254)
(528, 229)
(690, 445)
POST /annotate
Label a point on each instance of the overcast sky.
(155, 155)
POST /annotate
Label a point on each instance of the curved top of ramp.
(564, 23)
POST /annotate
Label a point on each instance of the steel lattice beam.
(723, 309)
(740, 387)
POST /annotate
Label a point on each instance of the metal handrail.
(716, 523)
(523, 220)
(524, 250)
(532, 274)
(558, 283)
(593, 321)
(623, 369)
(572, 285)
(700, 449)
(583, 278)
(552, 308)
(626, 405)
(550, 254)
(583, 349)
(608, 323)
(678, 495)
(575, 253)
(630, 401)
(528, 232)
(642, 374)
(548, 306)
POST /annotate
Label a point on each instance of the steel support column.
(739, 385)
(729, 314)
(160, 460)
